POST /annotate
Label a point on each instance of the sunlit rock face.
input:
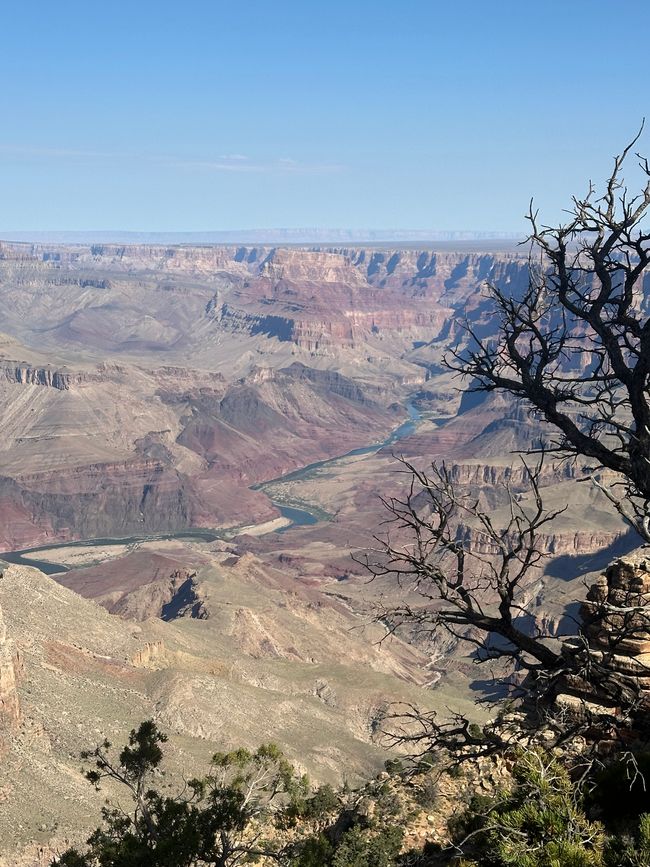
(616, 625)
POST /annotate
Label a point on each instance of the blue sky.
(272, 113)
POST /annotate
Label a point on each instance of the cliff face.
(302, 266)
(319, 300)
(96, 500)
(62, 380)
(368, 295)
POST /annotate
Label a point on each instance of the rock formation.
(609, 665)
(179, 595)
(63, 380)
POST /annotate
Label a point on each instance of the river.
(297, 516)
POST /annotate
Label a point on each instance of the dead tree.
(473, 589)
(457, 571)
(576, 347)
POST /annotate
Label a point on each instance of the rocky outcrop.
(152, 655)
(616, 615)
(177, 596)
(609, 666)
(499, 475)
(564, 541)
(47, 376)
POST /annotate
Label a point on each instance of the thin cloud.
(284, 165)
(224, 163)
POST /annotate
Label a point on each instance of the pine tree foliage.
(218, 820)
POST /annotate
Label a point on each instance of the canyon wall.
(318, 299)
(154, 385)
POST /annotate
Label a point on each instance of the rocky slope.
(278, 658)
(10, 668)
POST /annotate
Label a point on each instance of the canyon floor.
(212, 427)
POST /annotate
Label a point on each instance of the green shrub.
(541, 822)
(357, 849)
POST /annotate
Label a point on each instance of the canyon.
(168, 414)
(140, 387)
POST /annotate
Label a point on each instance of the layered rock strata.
(26, 374)
(610, 663)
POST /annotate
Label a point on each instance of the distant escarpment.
(323, 301)
(26, 374)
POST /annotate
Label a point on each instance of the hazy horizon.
(279, 235)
